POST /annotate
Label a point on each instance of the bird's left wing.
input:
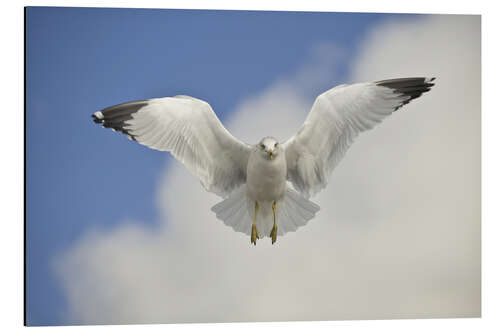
(336, 119)
(189, 129)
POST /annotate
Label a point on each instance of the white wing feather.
(189, 129)
(335, 120)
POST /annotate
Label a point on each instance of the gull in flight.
(254, 180)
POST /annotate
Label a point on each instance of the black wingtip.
(115, 116)
(96, 119)
(412, 87)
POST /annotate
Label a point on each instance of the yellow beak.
(271, 156)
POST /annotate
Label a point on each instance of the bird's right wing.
(336, 118)
(189, 129)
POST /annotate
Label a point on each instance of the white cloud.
(398, 235)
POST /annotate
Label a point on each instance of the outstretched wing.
(189, 129)
(335, 120)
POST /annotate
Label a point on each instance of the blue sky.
(80, 60)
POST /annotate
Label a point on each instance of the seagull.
(265, 187)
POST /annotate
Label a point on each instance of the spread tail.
(292, 212)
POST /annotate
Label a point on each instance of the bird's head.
(269, 147)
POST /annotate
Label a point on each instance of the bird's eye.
(262, 146)
(275, 145)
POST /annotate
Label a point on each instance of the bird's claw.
(274, 234)
(255, 235)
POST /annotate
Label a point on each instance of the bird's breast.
(266, 179)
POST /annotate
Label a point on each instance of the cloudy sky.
(112, 236)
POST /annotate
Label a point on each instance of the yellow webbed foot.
(274, 231)
(255, 235)
(274, 234)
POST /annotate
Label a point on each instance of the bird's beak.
(271, 156)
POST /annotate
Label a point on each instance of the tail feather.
(293, 211)
(242, 220)
(296, 210)
(233, 211)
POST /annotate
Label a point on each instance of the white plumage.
(251, 178)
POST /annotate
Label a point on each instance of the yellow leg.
(274, 231)
(255, 234)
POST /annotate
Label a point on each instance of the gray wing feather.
(336, 119)
(189, 129)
